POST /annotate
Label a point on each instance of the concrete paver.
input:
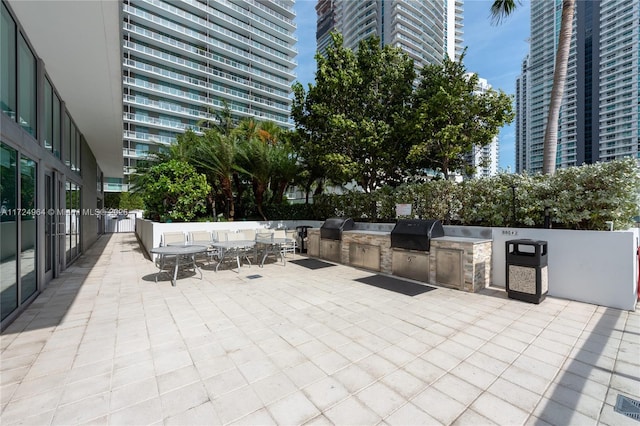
(105, 344)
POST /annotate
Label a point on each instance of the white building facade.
(599, 119)
(426, 31)
(184, 61)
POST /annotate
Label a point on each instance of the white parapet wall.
(150, 233)
(598, 267)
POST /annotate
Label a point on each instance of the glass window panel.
(49, 238)
(69, 220)
(8, 230)
(78, 221)
(80, 140)
(26, 87)
(28, 252)
(56, 126)
(73, 221)
(48, 115)
(72, 147)
(7, 64)
(66, 149)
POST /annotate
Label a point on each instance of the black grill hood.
(332, 228)
(415, 234)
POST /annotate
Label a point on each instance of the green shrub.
(173, 191)
(584, 197)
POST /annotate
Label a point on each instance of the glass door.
(50, 226)
(54, 225)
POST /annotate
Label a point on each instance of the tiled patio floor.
(104, 344)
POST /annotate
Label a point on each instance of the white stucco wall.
(598, 267)
(150, 233)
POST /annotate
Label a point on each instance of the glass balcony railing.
(168, 107)
(141, 136)
(218, 29)
(154, 121)
(222, 16)
(208, 40)
(250, 112)
(188, 48)
(215, 87)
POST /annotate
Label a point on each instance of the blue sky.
(494, 52)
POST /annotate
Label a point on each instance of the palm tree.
(501, 9)
(285, 167)
(217, 154)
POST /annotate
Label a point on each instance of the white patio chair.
(173, 238)
(167, 238)
(203, 238)
(292, 245)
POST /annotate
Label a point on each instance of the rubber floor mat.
(394, 284)
(311, 263)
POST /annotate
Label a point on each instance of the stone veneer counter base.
(474, 254)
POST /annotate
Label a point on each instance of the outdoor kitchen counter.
(475, 255)
(467, 240)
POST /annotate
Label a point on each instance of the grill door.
(331, 250)
(410, 264)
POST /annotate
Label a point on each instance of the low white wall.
(598, 267)
(150, 233)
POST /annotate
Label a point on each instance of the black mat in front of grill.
(393, 284)
(311, 263)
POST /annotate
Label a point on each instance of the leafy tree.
(351, 120)
(174, 191)
(130, 201)
(503, 8)
(449, 116)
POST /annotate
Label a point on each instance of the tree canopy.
(352, 120)
(173, 191)
(450, 116)
(363, 120)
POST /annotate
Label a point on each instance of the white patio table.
(237, 247)
(273, 246)
(181, 252)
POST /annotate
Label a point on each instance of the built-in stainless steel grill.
(332, 228)
(415, 234)
(411, 243)
(331, 237)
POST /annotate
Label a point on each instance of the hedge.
(583, 197)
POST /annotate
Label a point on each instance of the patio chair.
(218, 235)
(237, 252)
(292, 245)
(249, 234)
(167, 238)
(173, 238)
(203, 238)
(262, 235)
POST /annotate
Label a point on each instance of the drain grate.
(253, 277)
(627, 406)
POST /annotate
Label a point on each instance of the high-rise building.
(521, 101)
(425, 30)
(184, 61)
(599, 119)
